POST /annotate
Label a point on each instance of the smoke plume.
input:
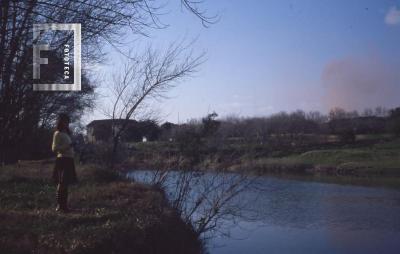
(361, 82)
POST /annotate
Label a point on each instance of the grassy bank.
(110, 215)
(381, 159)
(366, 159)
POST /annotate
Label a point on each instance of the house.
(101, 130)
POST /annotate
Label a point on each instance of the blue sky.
(268, 56)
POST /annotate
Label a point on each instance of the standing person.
(64, 169)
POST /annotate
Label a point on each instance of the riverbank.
(364, 162)
(376, 160)
(110, 215)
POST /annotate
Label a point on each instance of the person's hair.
(62, 117)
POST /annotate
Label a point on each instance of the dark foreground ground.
(111, 215)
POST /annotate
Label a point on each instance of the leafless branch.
(147, 77)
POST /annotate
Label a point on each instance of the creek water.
(292, 216)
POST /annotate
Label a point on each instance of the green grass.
(382, 156)
(111, 215)
(378, 159)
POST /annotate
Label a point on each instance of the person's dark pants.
(64, 174)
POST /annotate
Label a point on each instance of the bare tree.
(193, 6)
(103, 22)
(147, 77)
(208, 201)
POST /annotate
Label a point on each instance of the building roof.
(108, 121)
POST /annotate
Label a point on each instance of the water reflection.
(289, 216)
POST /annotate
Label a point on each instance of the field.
(380, 159)
(110, 215)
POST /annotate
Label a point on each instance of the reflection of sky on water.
(308, 217)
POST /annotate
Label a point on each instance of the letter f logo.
(37, 60)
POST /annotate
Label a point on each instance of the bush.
(101, 153)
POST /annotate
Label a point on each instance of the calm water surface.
(308, 217)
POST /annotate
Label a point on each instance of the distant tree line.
(337, 122)
(281, 133)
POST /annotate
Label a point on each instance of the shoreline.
(110, 214)
(376, 163)
(302, 173)
(364, 181)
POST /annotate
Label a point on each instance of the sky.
(264, 57)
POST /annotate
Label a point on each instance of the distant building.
(136, 131)
(101, 130)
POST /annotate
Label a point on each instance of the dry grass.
(111, 215)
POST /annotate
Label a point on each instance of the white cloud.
(393, 16)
